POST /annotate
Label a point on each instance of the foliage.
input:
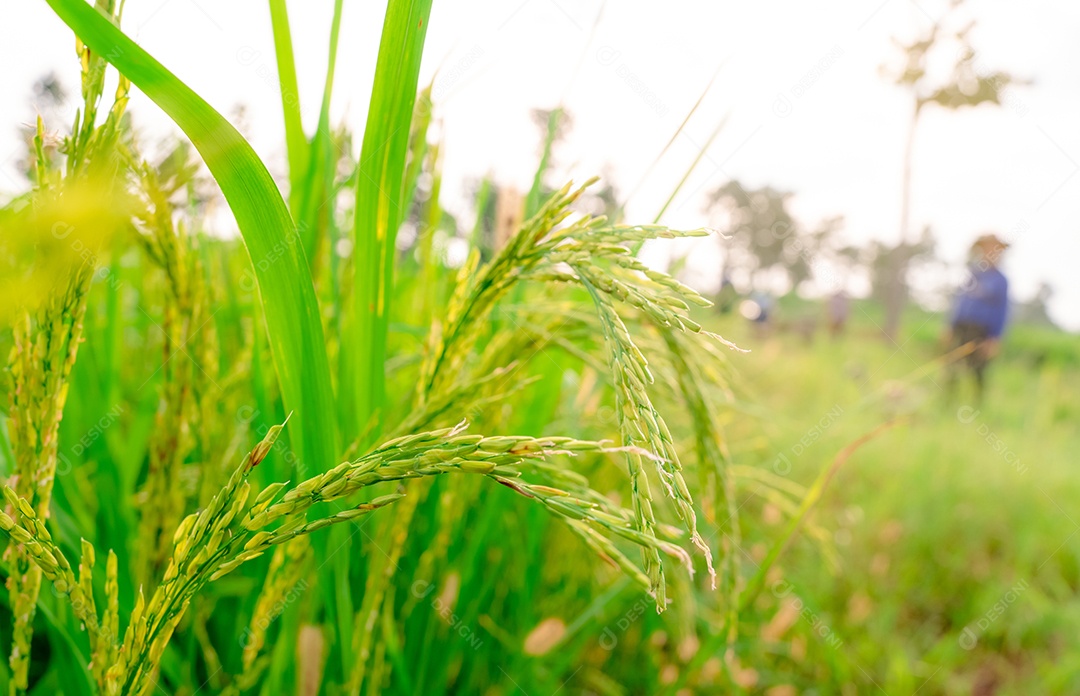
(532, 469)
(183, 363)
(953, 526)
(761, 235)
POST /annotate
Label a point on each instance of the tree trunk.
(896, 290)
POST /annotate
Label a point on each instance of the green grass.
(934, 523)
(146, 468)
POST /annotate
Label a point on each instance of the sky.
(801, 86)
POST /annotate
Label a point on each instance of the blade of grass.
(379, 196)
(532, 200)
(813, 495)
(482, 198)
(714, 645)
(429, 267)
(686, 176)
(317, 185)
(670, 141)
(295, 142)
(690, 170)
(70, 663)
(555, 117)
(281, 270)
(317, 211)
(421, 121)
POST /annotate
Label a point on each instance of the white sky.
(836, 143)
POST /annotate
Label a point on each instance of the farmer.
(839, 310)
(725, 299)
(758, 309)
(978, 315)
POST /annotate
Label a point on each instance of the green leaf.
(533, 199)
(295, 142)
(380, 195)
(314, 193)
(281, 270)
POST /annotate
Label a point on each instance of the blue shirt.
(983, 301)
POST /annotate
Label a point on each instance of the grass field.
(953, 566)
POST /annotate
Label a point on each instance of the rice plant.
(559, 379)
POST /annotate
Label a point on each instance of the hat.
(990, 240)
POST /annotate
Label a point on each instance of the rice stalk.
(230, 531)
(715, 461)
(188, 340)
(375, 591)
(44, 350)
(664, 301)
(444, 382)
(41, 360)
(593, 254)
(288, 565)
(478, 290)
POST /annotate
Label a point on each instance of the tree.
(965, 87)
(885, 258)
(1034, 311)
(761, 235)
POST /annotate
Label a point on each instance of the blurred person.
(725, 299)
(979, 311)
(839, 309)
(759, 310)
